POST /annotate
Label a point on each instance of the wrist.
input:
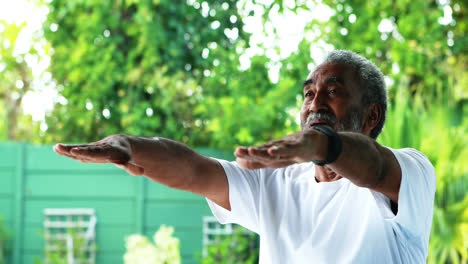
(333, 146)
(318, 145)
(129, 143)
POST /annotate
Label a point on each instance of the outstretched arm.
(162, 160)
(363, 161)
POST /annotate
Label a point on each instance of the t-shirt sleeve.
(244, 193)
(416, 196)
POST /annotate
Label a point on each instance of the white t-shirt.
(302, 221)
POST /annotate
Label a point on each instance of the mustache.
(321, 115)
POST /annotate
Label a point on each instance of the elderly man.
(327, 194)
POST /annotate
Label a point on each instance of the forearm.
(362, 160)
(368, 164)
(177, 166)
(165, 161)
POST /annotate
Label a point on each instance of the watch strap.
(334, 145)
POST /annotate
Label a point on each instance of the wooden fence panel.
(33, 178)
(8, 163)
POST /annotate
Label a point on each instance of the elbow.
(182, 180)
(190, 178)
(373, 175)
(376, 175)
(377, 179)
(179, 185)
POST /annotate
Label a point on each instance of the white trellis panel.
(61, 229)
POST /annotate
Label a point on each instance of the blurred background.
(214, 75)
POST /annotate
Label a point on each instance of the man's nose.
(319, 102)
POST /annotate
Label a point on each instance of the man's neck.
(325, 174)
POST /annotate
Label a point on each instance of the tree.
(417, 44)
(139, 67)
(15, 82)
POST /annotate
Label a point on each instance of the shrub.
(240, 247)
(165, 250)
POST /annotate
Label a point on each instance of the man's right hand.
(114, 149)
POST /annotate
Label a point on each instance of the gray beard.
(352, 122)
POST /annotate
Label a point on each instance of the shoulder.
(410, 152)
(416, 195)
(413, 162)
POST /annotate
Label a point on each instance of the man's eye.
(308, 94)
(332, 91)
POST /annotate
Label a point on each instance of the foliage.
(15, 81)
(5, 237)
(240, 247)
(161, 68)
(446, 147)
(443, 140)
(420, 45)
(165, 250)
(57, 251)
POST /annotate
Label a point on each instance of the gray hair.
(371, 79)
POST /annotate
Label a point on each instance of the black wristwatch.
(334, 145)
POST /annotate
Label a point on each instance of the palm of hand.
(297, 147)
(112, 149)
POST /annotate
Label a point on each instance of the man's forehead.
(331, 69)
(327, 80)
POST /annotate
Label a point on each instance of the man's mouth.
(314, 122)
(321, 119)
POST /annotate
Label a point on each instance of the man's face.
(332, 97)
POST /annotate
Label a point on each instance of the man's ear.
(372, 118)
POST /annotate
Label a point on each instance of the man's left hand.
(298, 147)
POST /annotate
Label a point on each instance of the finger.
(64, 148)
(90, 153)
(101, 153)
(260, 153)
(270, 144)
(286, 150)
(86, 160)
(264, 155)
(120, 166)
(61, 149)
(244, 153)
(66, 155)
(241, 152)
(78, 158)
